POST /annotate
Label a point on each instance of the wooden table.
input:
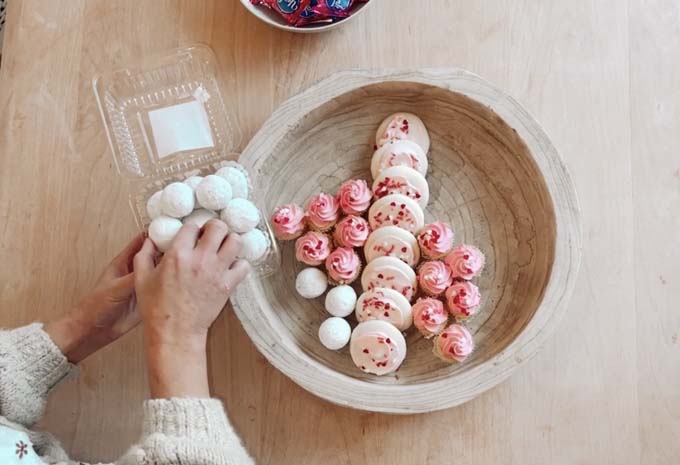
(602, 77)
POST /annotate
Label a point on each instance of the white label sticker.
(180, 127)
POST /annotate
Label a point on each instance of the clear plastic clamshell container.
(166, 121)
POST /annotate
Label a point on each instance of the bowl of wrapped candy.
(305, 15)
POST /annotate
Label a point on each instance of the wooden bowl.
(494, 175)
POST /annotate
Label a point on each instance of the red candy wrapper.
(301, 12)
(290, 10)
(335, 8)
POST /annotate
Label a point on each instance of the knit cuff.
(194, 419)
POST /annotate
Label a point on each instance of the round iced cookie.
(403, 126)
(402, 180)
(389, 272)
(153, 205)
(392, 241)
(340, 300)
(162, 231)
(241, 215)
(236, 179)
(311, 283)
(213, 193)
(200, 217)
(399, 153)
(396, 210)
(377, 347)
(334, 333)
(177, 200)
(384, 304)
(254, 245)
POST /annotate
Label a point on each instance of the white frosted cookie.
(384, 304)
(399, 153)
(377, 347)
(402, 180)
(392, 273)
(392, 241)
(403, 126)
(396, 210)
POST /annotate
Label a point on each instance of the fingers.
(144, 261)
(230, 249)
(186, 237)
(237, 273)
(122, 263)
(214, 233)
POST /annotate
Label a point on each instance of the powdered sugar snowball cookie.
(396, 210)
(351, 231)
(334, 333)
(213, 193)
(384, 304)
(403, 126)
(462, 299)
(434, 277)
(241, 215)
(429, 316)
(392, 273)
(162, 231)
(310, 283)
(288, 221)
(465, 261)
(254, 245)
(177, 200)
(354, 197)
(236, 179)
(392, 241)
(193, 182)
(454, 344)
(200, 217)
(153, 205)
(322, 212)
(377, 347)
(435, 240)
(399, 153)
(343, 265)
(341, 300)
(313, 248)
(402, 180)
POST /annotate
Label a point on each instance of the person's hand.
(103, 315)
(180, 298)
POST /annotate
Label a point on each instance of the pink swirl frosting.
(435, 239)
(288, 221)
(454, 344)
(434, 277)
(351, 231)
(322, 211)
(462, 299)
(429, 316)
(354, 197)
(465, 261)
(343, 265)
(312, 248)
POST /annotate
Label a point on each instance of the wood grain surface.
(600, 76)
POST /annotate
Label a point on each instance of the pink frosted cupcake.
(454, 344)
(343, 265)
(429, 316)
(288, 222)
(465, 261)
(434, 277)
(354, 197)
(462, 299)
(313, 248)
(435, 239)
(351, 231)
(322, 212)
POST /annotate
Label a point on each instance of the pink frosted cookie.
(396, 210)
(384, 304)
(377, 347)
(354, 197)
(462, 299)
(465, 261)
(434, 277)
(429, 316)
(343, 265)
(351, 231)
(392, 273)
(403, 126)
(454, 344)
(322, 212)
(288, 222)
(435, 239)
(313, 248)
(392, 241)
(399, 153)
(402, 180)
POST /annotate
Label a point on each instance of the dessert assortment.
(373, 236)
(308, 12)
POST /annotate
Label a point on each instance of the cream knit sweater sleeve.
(175, 431)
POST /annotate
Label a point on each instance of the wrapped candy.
(290, 10)
(302, 12)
